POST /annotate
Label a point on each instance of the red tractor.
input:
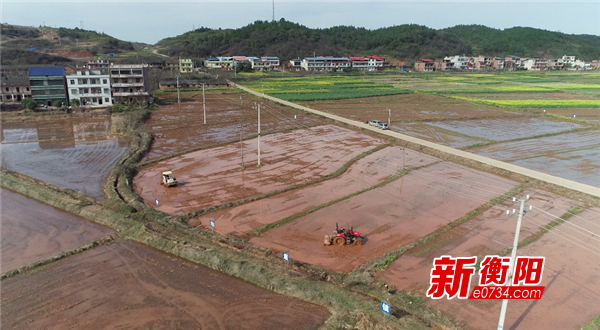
(343, 236)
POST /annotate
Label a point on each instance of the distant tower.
(273, 10)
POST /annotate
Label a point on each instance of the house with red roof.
(359, 63)
(375, 62)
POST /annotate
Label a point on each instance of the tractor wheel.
(339, 240)
(358, 241)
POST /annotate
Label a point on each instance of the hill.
(45, 40)
(527, 42)
(288, 40)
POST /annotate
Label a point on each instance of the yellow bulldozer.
(168, 180)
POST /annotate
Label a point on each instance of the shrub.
(28, 104)
(75, 102)
(58, 103)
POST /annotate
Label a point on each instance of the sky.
(149, 21)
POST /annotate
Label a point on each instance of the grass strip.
(544, 229)
(593, 325)
(102, 241)
(264, 228)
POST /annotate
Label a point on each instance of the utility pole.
(241, 127)
(273, 10)
(178, 98)
(389, 117)
(204, 104)
(258, 134)
(263, 91)
(513, 255)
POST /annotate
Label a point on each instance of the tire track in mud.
(174, 299)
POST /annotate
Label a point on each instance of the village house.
(325, 63)
(48, 85)
(129, 82)
(90, 87)
(424, 65)
(14, 83)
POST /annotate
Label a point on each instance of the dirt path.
(32, 231)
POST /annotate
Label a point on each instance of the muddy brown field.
(408, 107)
(366, 172)
(213, 176)
(177, 130)
(492, 232)
(128, 286)
(390, 216)
(31, 231)
(72, 153)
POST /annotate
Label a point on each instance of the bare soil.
(126, 285)
(490, 233)
(72, 153)
(177, 130)
(408, 107)
(390, 216)
(213, 176)
(506, 129)
(32, 231)
(366, 172)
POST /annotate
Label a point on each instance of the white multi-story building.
(360, 63)
(375, 63)
(460, 62)
(273, 60)
(325, 63)
(91, 87)
(259, 64)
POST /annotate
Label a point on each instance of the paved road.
(584, 188)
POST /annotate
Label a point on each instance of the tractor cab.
(343, 236)
(168, 180)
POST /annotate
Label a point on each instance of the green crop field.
(519, 104)
(321, 88)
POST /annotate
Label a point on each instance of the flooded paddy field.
(408, 107)
(390, 216)
(32, 231)
(366, 172)
(177, 130)
(578, 165)
(127, 285)
(547, 145)
(213, 176)
(506, 129)
(72, 153)
(434, 134)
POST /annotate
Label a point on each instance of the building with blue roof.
(48, 85)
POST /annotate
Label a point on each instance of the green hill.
(289, 40)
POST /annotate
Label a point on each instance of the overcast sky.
(149, 21)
